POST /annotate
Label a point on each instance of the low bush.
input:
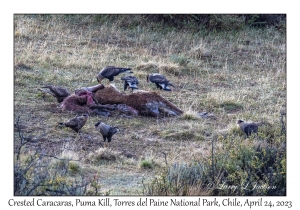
(237, 168)
(146, 164)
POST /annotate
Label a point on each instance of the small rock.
(206, 115)
(101, 113)
(206, 54)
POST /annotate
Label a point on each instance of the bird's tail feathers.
(47, 86)
(167, 89)
(127, 70)
(132, 85)
(165, 86)
(113, 130)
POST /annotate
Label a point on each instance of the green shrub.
(181, 174)
(226, 22)
(181, 134)
(235, 169)
(74, 168)
(146, 164)
(178, 179)
(243, 164)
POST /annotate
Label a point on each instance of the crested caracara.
(106, 131)
(248, 128)
(58, 92)
(130, 81)
(160, 81)
(109, 72)
(76, 123)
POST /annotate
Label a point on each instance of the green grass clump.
(235, 130)
(185, 135)
(102, 156)
(146, 164)
(179, 179)
(74, 168)
(231, 106)
(191, 130)
(181, 173)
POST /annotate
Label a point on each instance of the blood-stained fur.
(145, 102)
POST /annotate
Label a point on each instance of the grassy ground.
(233, 75)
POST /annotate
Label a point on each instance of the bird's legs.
(76, 135)
(156, 91)
(80, 135)
(99, 81)
(106, 144)
(158, 88)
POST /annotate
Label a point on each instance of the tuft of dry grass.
(103, 155)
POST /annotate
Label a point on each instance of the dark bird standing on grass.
(76, 123)
(130, 81)
(248, 128)
(160, 81)
(59, 93)
(109, 72)
(106, 131)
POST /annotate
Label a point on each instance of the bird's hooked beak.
(98, 123)
(240, 121)
(127, 73)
